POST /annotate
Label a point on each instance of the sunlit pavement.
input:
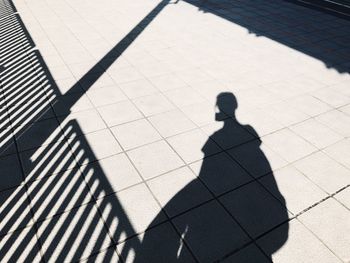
(108, 108)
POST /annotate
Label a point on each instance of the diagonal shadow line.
(93, 74)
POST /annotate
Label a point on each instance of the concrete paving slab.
(330, 213)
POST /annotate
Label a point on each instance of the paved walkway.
(192, 131)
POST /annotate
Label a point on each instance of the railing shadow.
(52, 180)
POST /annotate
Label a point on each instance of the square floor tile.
(125, 74)
(76, 56)
(7, 142)
(10, 172)
(337, 121)
(309, 105)
(5, 118)
(193, 145)
(179, 63)
(316, 133)
(68, 85)
(134, 134)
(20, 246)
(153, 104)
(200, 113)
(47, 160)
(220, 173)
(286, 182)
(324, 171)
(184, 96)
(171, 123)
(106, 95)
(288, 145)
(111, 65)
(139, 57)
(154, 159)
(257, 97)
(30, 111)
(154, 69)
(53, 59)
(167, 82)
(193, 75)
(340, 152)
(257, 158)
(342, 87)
(248, 205)
(286, 114)
(14, 210)
(291, 242)
(110, 175)
(327, 77)
(344, 197)
(330, 222)
(210, 89)
(61, 72)
(37, 134)
(82, 123)
(163, 53)
(260, 122)
(159, 244)
(70, 103)
(248, 254)
(209, 222)
(331, 97)
(72, 235)
(95, 81)
(119, 113)
(138, 88)
(58, 193)
(130, 212)
(345, 109)
(107, 255)
(178, 191)
(94, 146)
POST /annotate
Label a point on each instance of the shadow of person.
(225, 212)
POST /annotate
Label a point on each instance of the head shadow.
(231, 210)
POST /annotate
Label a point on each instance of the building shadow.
(311, 30)
(232, 219)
